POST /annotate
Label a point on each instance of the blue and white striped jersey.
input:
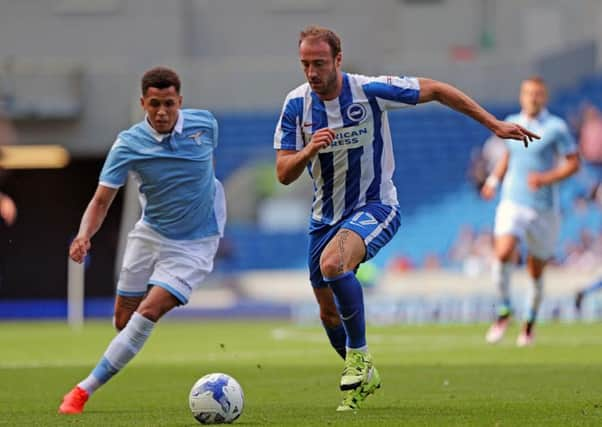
(556, 142)
(174, 173)
(357, 168)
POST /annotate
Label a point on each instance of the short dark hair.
(161, 78)
(324, 34)
(536, 79)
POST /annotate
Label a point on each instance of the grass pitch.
(432, 375)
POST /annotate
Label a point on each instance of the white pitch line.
(429, 341)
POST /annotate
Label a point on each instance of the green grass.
(432, 375)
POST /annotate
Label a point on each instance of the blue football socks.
(349, 299)
(338, 338)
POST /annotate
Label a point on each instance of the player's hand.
(8, 209)
(487, 192)
(508, 130)
(321, 139)
(79, 248)
(535, 181)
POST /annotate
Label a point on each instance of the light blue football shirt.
(541, 155)
(357, 168)
(174, 172)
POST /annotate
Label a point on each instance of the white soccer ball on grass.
(216, 399)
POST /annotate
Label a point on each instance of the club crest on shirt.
(356, 112)
(196, 137)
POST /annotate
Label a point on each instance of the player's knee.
(331, 266)
(504, 254)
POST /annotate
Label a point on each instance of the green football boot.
(354, 397)
(355, 372)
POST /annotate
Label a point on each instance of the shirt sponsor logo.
(347, 138)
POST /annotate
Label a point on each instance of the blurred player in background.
(171, 249)
(8, 209)
(336, 126)
(529, 206)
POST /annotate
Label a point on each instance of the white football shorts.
(537, 229)
(179, 266)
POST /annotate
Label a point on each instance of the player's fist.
(79, 248)
(487, 191)
(535, 181)
(321, 139)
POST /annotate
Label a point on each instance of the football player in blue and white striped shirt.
(336, 126)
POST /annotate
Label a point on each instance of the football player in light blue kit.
(336, 126)
(529, 209)
(171, 249)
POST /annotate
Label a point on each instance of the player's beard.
(329, 86)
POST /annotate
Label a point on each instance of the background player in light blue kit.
(171, 249)
(336, 126)
(529, 206)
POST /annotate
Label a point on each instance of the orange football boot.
(74, 401)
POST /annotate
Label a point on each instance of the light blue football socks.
(121, 350)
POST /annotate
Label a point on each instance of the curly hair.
(160, 78)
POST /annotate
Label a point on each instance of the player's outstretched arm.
(446, 94)
(91, 221)
(290, 163)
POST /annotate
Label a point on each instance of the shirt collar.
(159, 137)
(540, 118)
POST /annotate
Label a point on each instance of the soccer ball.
(215, 399)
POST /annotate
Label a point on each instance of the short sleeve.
(392, 92)
(117, 164)
(565, 142)
(288, 130)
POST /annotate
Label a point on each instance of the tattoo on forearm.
(343, 235)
